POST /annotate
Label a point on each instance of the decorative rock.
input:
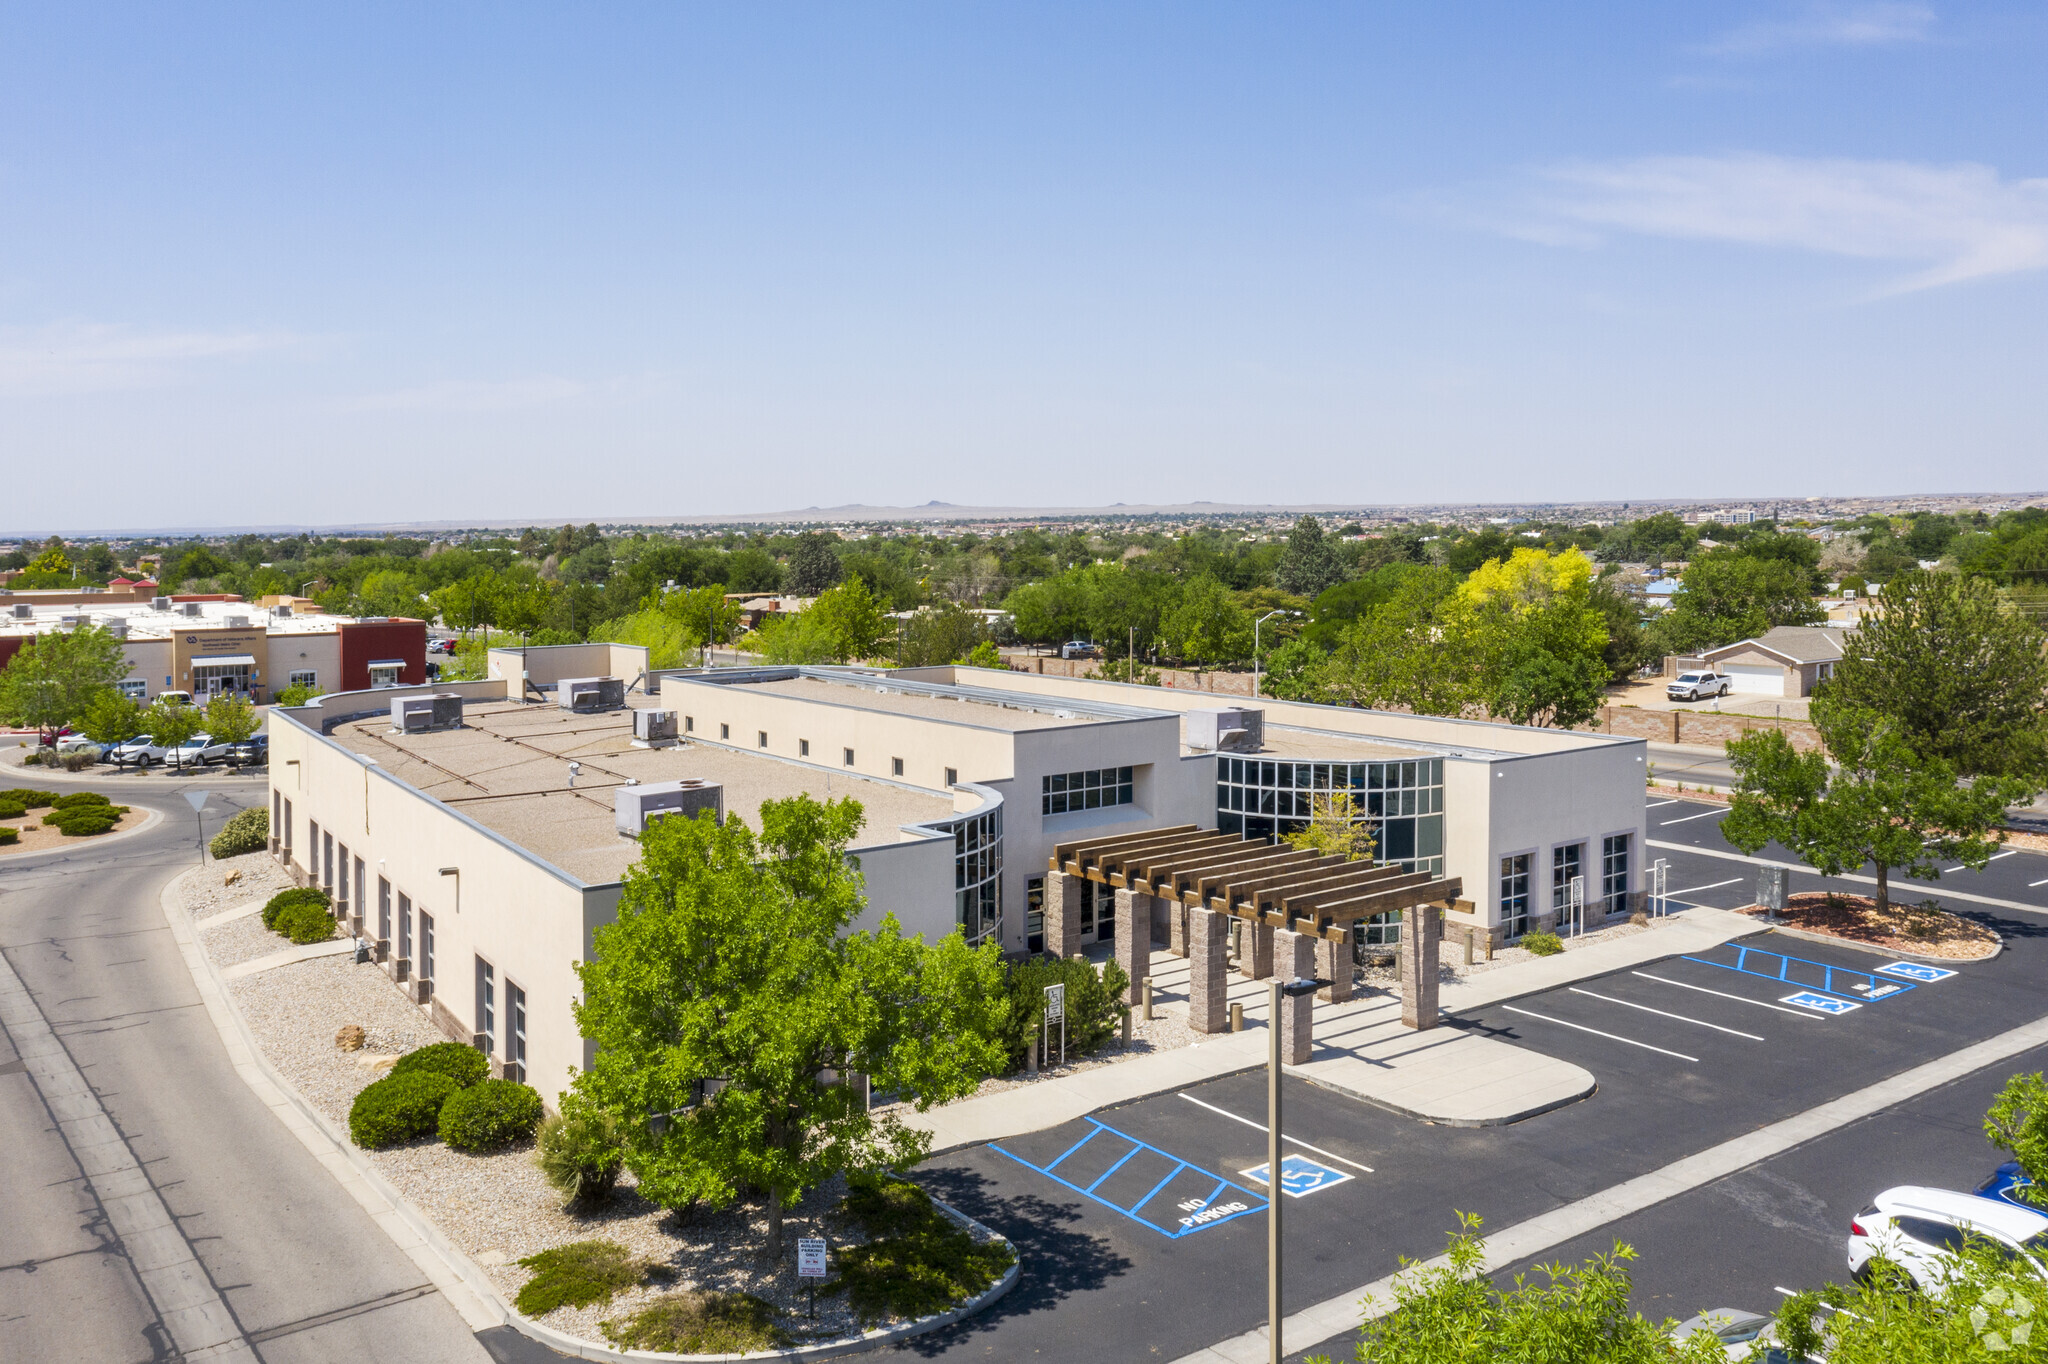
(377, 1062)
(232, 877)
(349, 1037)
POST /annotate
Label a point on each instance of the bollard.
(1127, 1028)
(1031, 1057)
(1489, 946)
(1237, 1016)
(1397, 965)
(1468, 947)
(1145, 987)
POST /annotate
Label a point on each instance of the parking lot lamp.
(1281, 991)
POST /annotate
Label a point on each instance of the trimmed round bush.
(80, 821)
(490, 1114)
(462, 1064)
(304, 923)
(9, 836)
(284, 899)
(28, 798)
(9, 810)
(398, 1108)
(247, 832)
(79, 798)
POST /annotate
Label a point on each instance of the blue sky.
(313, 265)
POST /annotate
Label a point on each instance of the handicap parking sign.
(1820, 1003)
(1913, 970)
(1299, 1176)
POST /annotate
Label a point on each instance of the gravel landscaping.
(497, 1207)
(37, 836)
(1909, 929)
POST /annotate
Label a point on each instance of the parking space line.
(1199, 1216)
(1987, 861)
(1597, 1033)
(2032, 884)
(1655, 803)
(1694, 890)
(1283, 1136)
(1112, 1170)
(1704, 814)
(1739, 999)
(1661, 1014)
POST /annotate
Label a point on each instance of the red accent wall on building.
(367, 642)
(10, 645)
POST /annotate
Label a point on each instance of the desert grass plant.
(1541, 944)
(580, 1274)
(464, 1065)
(699, 1323)
(284, 899)
(580, 1155)
(398, 1108)
(489, 1116)
(919, 1261)
(247, 832)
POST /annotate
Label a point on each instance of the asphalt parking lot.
(1144, 1225)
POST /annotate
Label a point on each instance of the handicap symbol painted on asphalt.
(1819, 1003)
(1299, 1176)
(1913, 970)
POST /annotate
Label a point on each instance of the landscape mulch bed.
(1904, 928)
(37, 836)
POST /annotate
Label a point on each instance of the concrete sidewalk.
(1441, 1076)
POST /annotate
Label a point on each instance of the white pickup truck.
(1698, 684)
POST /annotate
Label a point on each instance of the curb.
(1808, 935)
(234, 1029)
(1520, 1115)
(102, 773)
(151, 819)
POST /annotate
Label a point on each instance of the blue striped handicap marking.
(1820, 1003)
(1915, 971)
(1818, 978)
(1172, 1196)
(1299, 1176)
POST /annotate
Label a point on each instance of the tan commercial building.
(479, 857)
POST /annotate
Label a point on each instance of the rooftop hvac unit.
(419, 714)
(281, 612)
(188, 608)
(117, 626)
(235, 622)
(1226, 730)
(591, 693)
(22, 610)
(654, 728)
(72, 622)
(159, 603)
(634, 807)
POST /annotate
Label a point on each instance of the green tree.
(1206, 626)
(1310, 564)
(112, 718)
(707, 618)
(842, 624)
(1725, 596)
(1990, 1308)
(231, 719)
(732, 962)
(2017, 1123)
(1539, 642)
(938, 634)
(661, 634)
(1408, 654)
(171, 722)
(1294, 671)
(468, 603)
(55, 677)
(1882, 803)
(1335, 828)
(813, 566)
(984, 655)
(1963, 674)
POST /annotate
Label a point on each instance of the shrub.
(78, 762)
(920, 1261)
(1095, 1006)
(489, 1115)
(578, 1275)
(247, 832)
(79, 798)
(80, 821)
(285, 899)
(464, 1065)
(296, 696)
(697, 1323)
(8, 836)
(305, 923)
(27, 797)
(580, 1154)
(398, 1108)
(1541, 944)
(884, 1206)
(10, 810)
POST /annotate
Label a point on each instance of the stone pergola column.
(1296, 958)
(1333, 963)
(1062, 910)
(1255, 950)
(1422, 934)
(1208, 951)
(1176, 927)
(1134, 939)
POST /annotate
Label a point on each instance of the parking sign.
(810, 1257)
(1299, 1176)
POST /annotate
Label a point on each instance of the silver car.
(1697, 686)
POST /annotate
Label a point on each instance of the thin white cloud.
(502, 395)
(1882, 24)
(91, 358)
(1955, 222)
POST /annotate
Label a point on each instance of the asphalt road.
(303, 1271)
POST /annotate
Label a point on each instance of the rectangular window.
(277, 816)
(385, 674)
(1614, 872)
(384, 910)
(327, 870)
(132, 688)
(1034, 914)
(405, 927)
(362, 888)
(515, 1030)
(725, 731)
(313, 851)
(1567, 864)
(486, 1005)
(952, 776)
(895, 767)
(1514, 895)
(846, 759)
(1066, 791)
(803, 748)
(426, 945)
(286, 825)
(341, 896)
(689, 724)
(761, 739)
(305, 678)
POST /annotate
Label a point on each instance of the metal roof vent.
(22, 610)
(281, 612)
(117, 626)
(188, 608)
(159, 603)
(419, 714)
(654, 728)
(590, 693)
(635, 807)
(1226, 730)
(235, 622)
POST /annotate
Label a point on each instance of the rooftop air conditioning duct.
(188, 608)
(654, 728)
(1226, 730)
(72, 622)
(591, 693)
(281, 612)
(22, 610)
(117, 626)
(159, 603)
(635, 807)
(235, 622)
(419, 714)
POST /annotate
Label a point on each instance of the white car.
(1921, 1230)
(77, 743)
(140, 751)
(198, 751)
(1697, 686)
(1743, 1336)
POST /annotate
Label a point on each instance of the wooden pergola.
(1262, 883)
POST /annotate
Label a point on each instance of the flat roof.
(957, 705)
(146, 622)
(507, 769)
(1286, 741)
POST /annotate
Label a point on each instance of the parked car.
(1921, 1230)
(198, 751)
(440, 646)
(77, 743)
(1080, 648)
(2009, 1183)
(140, 751)
(1698, 685)
(252, 752)
(175, 698)
(1744, 1336)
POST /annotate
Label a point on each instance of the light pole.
(1276, 611)
(1281, 991)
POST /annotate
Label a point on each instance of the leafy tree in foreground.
(112, 718)
(231, 719)
(1883, 803)
(1334, 830)
(1963, 673)
(2017, 1123)
(171, 723)
(1992, 1309)
(56, 677)
(731, 961)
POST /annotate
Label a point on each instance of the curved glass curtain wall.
(977, 873)
(1403, 803)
